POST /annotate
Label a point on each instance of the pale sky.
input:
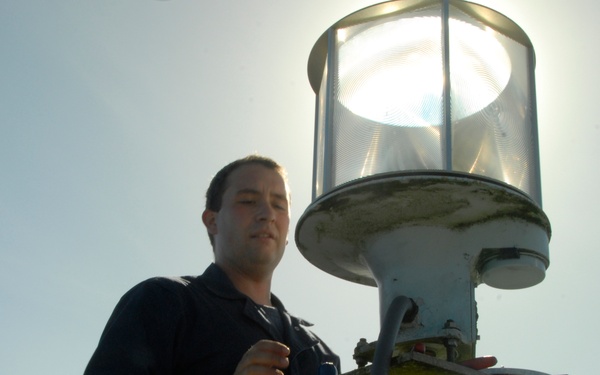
(115, 115)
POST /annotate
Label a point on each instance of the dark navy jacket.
(196, 325)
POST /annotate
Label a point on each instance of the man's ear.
(209, 218)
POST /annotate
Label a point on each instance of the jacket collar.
(297, 336)
(218, 283)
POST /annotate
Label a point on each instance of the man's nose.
(266, 212)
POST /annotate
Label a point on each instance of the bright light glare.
(392, 73)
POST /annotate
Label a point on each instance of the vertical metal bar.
(535, 191)
(328, 151)
(447, 120)
(317, 149)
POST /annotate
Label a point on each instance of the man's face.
(250, 229)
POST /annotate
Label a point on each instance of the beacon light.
(426, 164)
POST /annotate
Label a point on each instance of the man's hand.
(266, 357)
(480, 363)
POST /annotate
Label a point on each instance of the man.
(225, 321)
